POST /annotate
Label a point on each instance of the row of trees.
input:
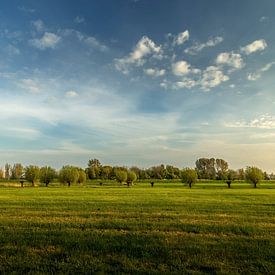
(252, 174)
(205, 169)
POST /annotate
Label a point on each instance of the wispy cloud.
(30, 85)
(198, 47)
(258, 74)
(26, 9)
(47, 41)
(79, 19)
(264, 121)
(155, 72)
(38, 25)
(71, 94)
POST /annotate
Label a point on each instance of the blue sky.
(137, 82)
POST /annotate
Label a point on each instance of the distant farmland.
(166, 229)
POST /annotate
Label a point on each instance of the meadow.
(168, 229)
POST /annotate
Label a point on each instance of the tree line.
(205, 169)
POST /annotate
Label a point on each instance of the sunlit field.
(165, 229)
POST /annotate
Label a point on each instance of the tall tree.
(221, 169)
(206, 168)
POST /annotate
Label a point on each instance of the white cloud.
(144, 47)
(38, 25)
(71, 94)
(79, 19)
(181, 68)
(30, 85)
(264, 121)
(48, 40)
(95, 44)
(212, 77)
(154, 72)
(186, 82)
(181, 38)
(257, 45)
(199, 47)
(258, 74)
(231, 59)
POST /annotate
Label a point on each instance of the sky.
(137, 82)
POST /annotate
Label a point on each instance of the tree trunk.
(69, 184)
(190, 185)
(22, 183)
(47, 184)
(32, 183)
(255, 185)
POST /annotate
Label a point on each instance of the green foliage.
(68, 174)
(32, 174)
(254, 175)
(231, 175)
(47, 175)
(81, 176)
(189, 176)
(131, 177)
(121, 176)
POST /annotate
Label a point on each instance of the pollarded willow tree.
(131, 177)
(254, 175)
(32, 174)
(68, 174)
(47, 175)
(189, 176)
(121, 176)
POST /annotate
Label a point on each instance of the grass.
(141, 230)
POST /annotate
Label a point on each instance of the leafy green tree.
(32, 174)
(47, 175)
(68, 174)
(231, 175)
(206, 168)
(81, 176)
(94, 169)
(189, 176)
(16, 171)
(254, 175)
(131, 177)
(121, 176)
(106, 172)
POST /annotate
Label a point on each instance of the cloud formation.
(47, 41)
(198, 47)
(231, 59)
(144, 47)
(257, 45)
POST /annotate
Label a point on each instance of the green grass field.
(166, 229)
